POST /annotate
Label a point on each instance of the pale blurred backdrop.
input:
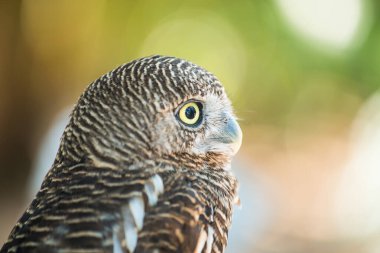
(303, 76)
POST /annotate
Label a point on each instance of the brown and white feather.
(128, 177)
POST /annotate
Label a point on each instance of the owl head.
(149, 108)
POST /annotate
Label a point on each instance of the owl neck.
(100, 151)
(70, 155)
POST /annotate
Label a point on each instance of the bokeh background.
(303, 77)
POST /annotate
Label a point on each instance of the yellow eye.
(191, 113)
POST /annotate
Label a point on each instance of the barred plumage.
(131, 175)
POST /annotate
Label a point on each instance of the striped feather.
(128, 177)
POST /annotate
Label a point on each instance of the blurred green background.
(297, 72)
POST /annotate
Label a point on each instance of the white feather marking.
(152, 196)
(136, 207)
(201, 242)
(116, 243)
(210, 239)
(130, 229)
(158, 184)
(154, 187)
(131, 238)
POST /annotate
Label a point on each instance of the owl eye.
(190, 113)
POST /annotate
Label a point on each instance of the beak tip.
(236, 135)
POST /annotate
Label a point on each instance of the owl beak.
(225, 137)
(231, 135)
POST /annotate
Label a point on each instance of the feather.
(130, 176)
(136, 209)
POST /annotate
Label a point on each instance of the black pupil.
(190, 112)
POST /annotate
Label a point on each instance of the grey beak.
(229, 135)
(232, 132)
(224, 136)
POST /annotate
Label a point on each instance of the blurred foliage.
(282, 85)
(50, 50)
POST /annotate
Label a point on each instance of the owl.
(143, 166)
